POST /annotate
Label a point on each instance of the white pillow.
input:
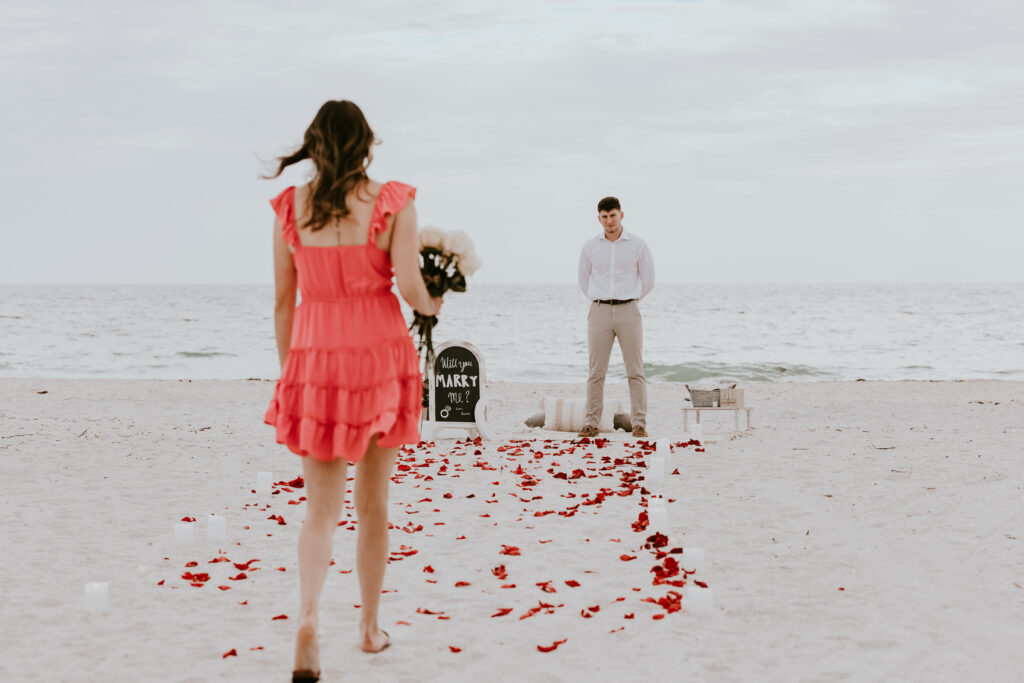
(569, 414)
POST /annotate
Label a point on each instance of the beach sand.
(860, 531)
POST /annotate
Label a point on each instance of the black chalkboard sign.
(458, 379)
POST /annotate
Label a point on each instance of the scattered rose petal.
(421, 610)
(460, 584)
(230, 653)
(502, 612)
(627, 558)
(553, 646)
(280, 616)
(454, 649)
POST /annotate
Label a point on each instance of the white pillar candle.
(697, 600)
(657, 516)
(216, 528)
(183, 534)
(656, 470)
(96, 594)
(693, 558)
(264, 480)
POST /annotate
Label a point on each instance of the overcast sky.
(756, 141)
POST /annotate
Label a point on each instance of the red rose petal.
(160, 582)
(191, 564)
(509, 550)
(428, 569)
(502, 612)
(627, 558)
(224, 588)
(230, 653)
(658, 616)
(460, 584)
(553, 646)
(279, 616)
(572, 583)
(454, 649)
(244, 602)
(421, 610)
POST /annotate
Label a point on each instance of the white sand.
(906, 494)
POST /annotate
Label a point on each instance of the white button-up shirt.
(623, 269)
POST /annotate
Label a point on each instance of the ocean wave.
(204, 354)
(756, 372)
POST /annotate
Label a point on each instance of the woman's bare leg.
(325, 497)
(373, 475)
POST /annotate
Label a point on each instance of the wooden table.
(736, 414)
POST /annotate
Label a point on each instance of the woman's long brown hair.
(338, 143)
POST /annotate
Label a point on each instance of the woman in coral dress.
(350, 388)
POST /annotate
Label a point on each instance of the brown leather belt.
(613, 302)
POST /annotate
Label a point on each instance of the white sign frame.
(429, 427)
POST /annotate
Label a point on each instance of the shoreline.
(905, 494)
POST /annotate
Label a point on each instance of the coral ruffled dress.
(352, 370)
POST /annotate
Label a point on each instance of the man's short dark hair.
(608, 204)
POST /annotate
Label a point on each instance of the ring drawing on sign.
(445, 412)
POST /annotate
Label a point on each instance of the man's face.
(611, 220)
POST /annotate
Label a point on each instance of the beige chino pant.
(605, 324)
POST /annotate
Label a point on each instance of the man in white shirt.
(616, 271)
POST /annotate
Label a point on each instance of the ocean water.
(538, 332)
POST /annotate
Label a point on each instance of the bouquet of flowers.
(446, 260)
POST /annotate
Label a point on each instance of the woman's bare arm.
(405, 250)
(285, 288)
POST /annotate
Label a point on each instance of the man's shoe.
(589, 430)
(640, 432)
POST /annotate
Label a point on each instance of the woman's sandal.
(305, 676)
